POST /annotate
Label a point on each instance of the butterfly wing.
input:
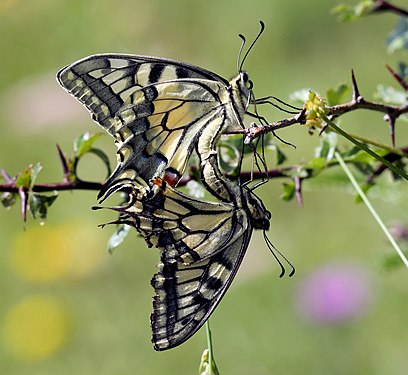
(186, 295)
(186, 229)
(154, 108)
(202, 245)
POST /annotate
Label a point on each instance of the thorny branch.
(386, 6)
(391, 114)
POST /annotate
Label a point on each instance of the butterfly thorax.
(258, 214)
(240, 92)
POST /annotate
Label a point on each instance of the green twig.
(370, 207)
(365, 148)
(212, 367)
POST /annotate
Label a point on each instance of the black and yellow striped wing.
(186, 295)
(156, 109)
(202, 245)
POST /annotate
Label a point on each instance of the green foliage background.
(256, 328)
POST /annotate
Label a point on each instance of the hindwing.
(186, 295)
(202, 245)
(187, 229)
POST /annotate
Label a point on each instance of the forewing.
(186, 295)
(147, 104)
(158, 126)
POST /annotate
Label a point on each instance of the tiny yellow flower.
(316, 109)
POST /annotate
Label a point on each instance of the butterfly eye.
(244, 77)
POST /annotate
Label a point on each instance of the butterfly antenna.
(243, 41)
(252, 44)
(274, 250)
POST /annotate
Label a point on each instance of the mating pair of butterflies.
(159, 111)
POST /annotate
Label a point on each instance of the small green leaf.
(26, 179)
(364, 187)
(360, 156)
(328, 144)
(316, 163)
(364, 168)
(84, 143)
(8, 199)
(118, 237)
(345, 12)
(35, 170)
(402, 166)
(398, 38)
(336, 94)
(205, 367)
(393, 261)
(39, 204)
(280, 156)
(390, 95)
(288, 191)
(403, 70)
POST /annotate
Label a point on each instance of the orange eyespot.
(158, 182)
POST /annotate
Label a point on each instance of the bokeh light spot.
(36, 328)
(48, 253)
(334, 294)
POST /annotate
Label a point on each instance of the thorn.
(399, 79)
(356, 92)
(6, 176)
(391, 121)
(301, 117)
(64, 163)
(24, 202)
(298, 190)
(324, 127)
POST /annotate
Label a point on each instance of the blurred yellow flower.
(48, 253)
(36, 328)
(316, 108)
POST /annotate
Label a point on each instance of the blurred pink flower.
(334, 294)
(37, 103)
(399, 231)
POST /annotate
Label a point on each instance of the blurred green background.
(69, 307)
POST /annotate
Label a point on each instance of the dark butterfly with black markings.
(159, 111)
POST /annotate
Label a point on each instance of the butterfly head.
(241, 87)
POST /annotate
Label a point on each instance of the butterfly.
(202, 245)
(159, 111)
(156, 109)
